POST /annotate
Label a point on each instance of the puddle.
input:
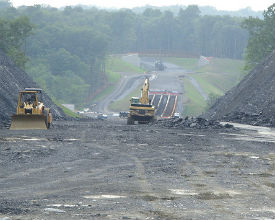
(66, 205)
(183, 192)
(53, 210)
(196, 135)
(103, 197)
(264, 209)
(34, 139)
(71, 139)
(263, 134)
(215, 194)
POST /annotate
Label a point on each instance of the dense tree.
(262, 37)
(70, 45)
(13, 34)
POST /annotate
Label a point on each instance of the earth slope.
(13, 79)
(252, 100)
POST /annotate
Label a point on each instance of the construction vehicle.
(31, 112)
(141, 110)
(159, 66)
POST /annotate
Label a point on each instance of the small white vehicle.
(102, 116)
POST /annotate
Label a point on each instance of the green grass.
(116, 64)
(195, 104)
(186, 63)
(66, 110)
(114, 67)
(215, 79)
(206, 83)
(123, 104)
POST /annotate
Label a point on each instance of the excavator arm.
(144, 99)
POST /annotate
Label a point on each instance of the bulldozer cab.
(28, 98)
(28, 101)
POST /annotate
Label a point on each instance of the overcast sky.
(256, 5)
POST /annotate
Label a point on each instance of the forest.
(65, 50)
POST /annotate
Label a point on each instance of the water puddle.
(265, 209)
(196, 135)
(262, 134)
(184, 192)
(103, 197)
(67, 205)
(53, 210)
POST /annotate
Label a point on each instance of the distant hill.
(205, 10)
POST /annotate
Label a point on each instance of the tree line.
(67, 48)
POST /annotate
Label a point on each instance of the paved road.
(160, 80)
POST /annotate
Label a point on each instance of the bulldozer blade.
(28, 122)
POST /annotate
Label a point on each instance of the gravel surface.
(109, 170)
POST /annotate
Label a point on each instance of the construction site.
(173, 168)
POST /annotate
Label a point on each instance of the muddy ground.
(109, 170)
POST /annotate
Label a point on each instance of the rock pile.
(12, 80)
(252, 100)
(199, 123)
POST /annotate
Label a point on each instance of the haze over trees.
(262, 37)
(67, 48)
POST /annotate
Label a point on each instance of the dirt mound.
(252, 100)
(13, 79)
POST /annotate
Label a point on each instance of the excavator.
(141, 109)
(30, 112)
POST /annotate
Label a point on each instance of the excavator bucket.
(28, 122)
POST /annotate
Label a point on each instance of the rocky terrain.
(109, 170)
(12, 80)
(252, 101)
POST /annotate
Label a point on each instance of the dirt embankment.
(12, 80)
(252, 100)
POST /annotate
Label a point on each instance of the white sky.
(256, 5)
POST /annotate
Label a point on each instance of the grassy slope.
(215, 79)
(123, 104)
(114, 66)
(195, 104)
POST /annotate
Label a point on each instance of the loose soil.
(109, 170)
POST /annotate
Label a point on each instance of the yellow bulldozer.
(141, 109)
(31, 112)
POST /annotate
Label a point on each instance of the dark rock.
(12, 80)
(252, 100)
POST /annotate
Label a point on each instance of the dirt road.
(108, 170)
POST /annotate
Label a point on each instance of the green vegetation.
(261, 37)
(187, 63)
(116, 64)
(123, 104)
(68, 111)
(68, 48)
(13, 34)
(215, 79)
(68, 51)
(195, 104)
